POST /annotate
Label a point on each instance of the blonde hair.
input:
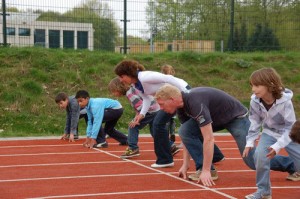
(115, 85)
(167, 69)
(167, 91)
(270, 78)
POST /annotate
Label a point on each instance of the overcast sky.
(135, 11)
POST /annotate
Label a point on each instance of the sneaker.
(294, 177)
(130, 153)
(162, 165)
(101, 145)
(257, 196)
(174, 149)
(76, 137)
(195, 176)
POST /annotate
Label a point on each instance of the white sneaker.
(101, 145)
(162, 165)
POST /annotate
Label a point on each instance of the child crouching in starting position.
(271, 110)
(101, 110)
(74, 113)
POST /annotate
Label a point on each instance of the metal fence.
(149, 26)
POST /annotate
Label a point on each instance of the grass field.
(31, 77)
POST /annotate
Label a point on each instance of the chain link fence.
(149, 26)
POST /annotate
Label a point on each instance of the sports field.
(53, 168)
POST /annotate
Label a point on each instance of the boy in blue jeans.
(101, 110)
(74, 113)
(133, 95)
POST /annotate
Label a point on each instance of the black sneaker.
(174, 149)
(101, 145)
(76, 137)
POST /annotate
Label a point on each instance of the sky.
(135, 11)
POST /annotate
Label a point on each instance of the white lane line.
(121, 193)
(37, 154)
(96, 162)
(62, 153)
(76, 177)
(168, 174)
(154, 191)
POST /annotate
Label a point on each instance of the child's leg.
(111, 117)
(133, 133)
(293, 150)
(171, 129)
(101, 136)
(262, 164)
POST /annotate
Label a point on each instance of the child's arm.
(74, 118)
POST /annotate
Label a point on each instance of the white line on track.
(102, 162)
(154, 191)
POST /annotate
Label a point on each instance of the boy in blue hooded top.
(101, 110)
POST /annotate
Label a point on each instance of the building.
(23, 29)
(202, 46)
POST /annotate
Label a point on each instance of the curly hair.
(129, 68)
(270, 78)
(295, 132)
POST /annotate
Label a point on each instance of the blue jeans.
(191, 137)
(133, 133)
(161, 138)
(262, 163)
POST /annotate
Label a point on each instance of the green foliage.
(30, 81)
(263, 39)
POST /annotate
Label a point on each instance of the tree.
(263, 39)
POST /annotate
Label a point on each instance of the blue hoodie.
(95, 111)
(277, 122)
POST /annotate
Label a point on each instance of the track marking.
(76, 177)
(170, 175)
(153, 191)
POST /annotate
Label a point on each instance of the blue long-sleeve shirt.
(95, 111)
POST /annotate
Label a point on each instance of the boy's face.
(63, 104)
(82, 102)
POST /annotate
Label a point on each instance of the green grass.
(30, 78)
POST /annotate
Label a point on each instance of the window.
(39, 37)
(54, 38)
(24, 32)
(68, 39)
(82, 39)
(10, 31)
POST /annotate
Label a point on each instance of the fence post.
(125, 27)
(231, 26)
(4, 23)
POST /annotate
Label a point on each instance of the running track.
(53, 168)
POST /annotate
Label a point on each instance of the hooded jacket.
(276, 122)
